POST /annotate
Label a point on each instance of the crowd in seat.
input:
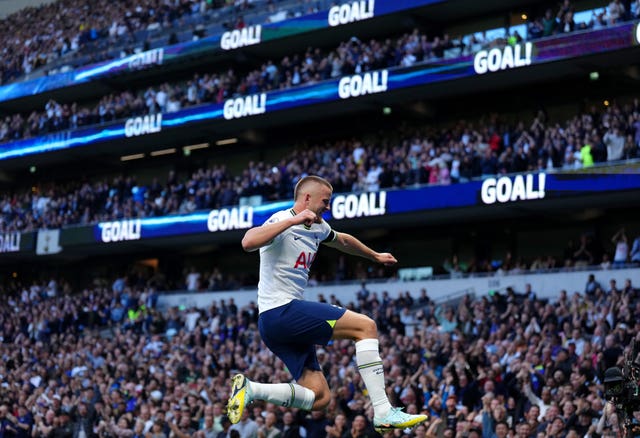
(107, 362)
(296, 69)
(37, 36)
(353, 56)
(414, 155)
(63, 35)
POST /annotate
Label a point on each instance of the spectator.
(616, 11)
(269, 429)
(592, 286)
(635, 250)
(586, 153)
(567, 25)
(548, 23)
(247, 427)
(193, 280)
(533, 373)
(621, 253)
(615, 143)
(583, 256)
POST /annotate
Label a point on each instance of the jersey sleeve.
(330, 237)
(276, 217)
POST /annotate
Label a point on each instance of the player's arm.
(351, 245)
(257, 237)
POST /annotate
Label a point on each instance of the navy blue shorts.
(292, 331)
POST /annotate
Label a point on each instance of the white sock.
(289, 395)
(370, 367)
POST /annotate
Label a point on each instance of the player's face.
(319, 200)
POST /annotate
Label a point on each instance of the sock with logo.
(290, 395)
(370, 367)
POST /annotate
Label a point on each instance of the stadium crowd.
(292, 70)
(106, 362)
(315, 65)
(37, 36)
(414, 155)
(85, 33)
(67, 34)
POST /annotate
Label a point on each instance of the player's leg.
(315, 381)
(355, 326)
(291, 333)
(363, 331)
(295, 395)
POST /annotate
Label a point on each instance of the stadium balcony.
(546, 284)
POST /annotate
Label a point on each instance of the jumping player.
(291, 327)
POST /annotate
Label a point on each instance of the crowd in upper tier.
(411, 156)
(66, 32)
(92, 21)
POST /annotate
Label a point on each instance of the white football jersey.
(285, 262)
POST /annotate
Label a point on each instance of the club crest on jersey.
(305, 259)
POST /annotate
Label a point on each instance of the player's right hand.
(306, 217)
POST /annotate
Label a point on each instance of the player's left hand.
(386, 258)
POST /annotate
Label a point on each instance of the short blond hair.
(304, 182)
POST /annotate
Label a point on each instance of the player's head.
(313, 193)
(309, 183)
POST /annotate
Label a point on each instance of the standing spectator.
(586, 155)
(363, 292)
(565, 8)
(84, 420)
(635, 250)
(315, 424)
(630, 148)
(615, 143)
(622, 248)
(567, 24)
(616, 11)
(583, 256)
(193, 280)
(64, 427)
(44, 424)
(548, 23)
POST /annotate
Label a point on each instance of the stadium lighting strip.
(131, 157)
(194, 147)
(161, 152)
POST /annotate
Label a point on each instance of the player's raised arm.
(351, 245)
(257, 237)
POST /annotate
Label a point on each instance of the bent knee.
(355, 326)
(322, 401)
(369, 328)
